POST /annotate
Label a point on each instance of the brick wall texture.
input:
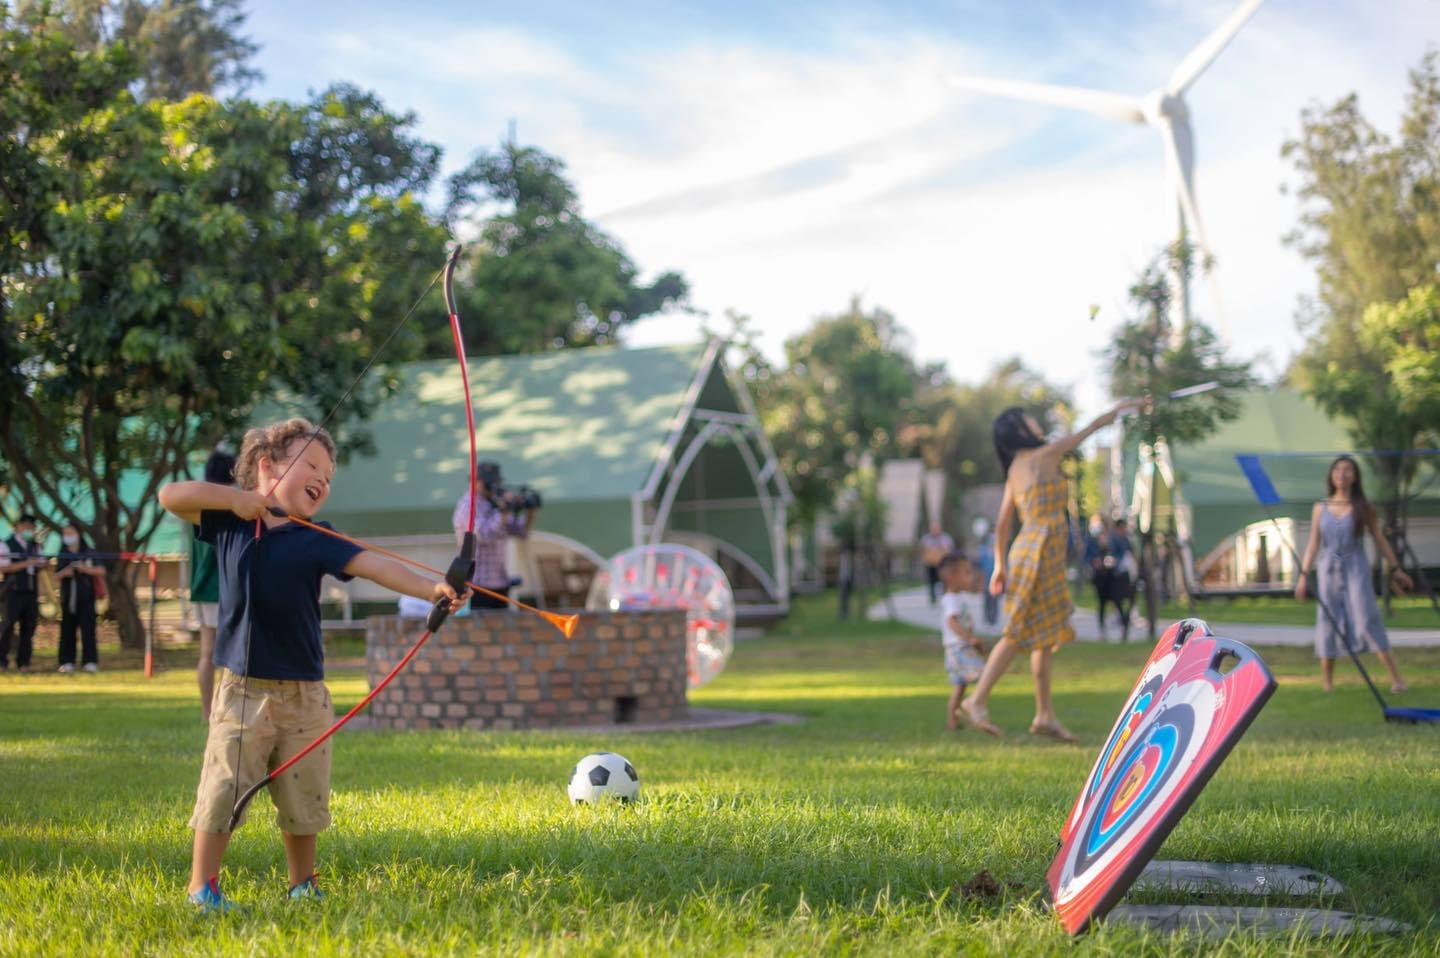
(502, 670)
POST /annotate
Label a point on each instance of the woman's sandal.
(979, 724)
(1058, 732)
(1398, 688)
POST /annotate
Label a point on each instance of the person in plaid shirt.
(494, 523)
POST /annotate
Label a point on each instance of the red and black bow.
(458, 575)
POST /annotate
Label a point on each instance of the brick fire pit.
(501, 670)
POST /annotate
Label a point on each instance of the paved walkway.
(913, 607)
(695, 720)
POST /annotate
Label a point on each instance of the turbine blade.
(1180, 151)
(1115, 106)
(1208, 49)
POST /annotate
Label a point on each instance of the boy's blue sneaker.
(306, 889)
(210, 899)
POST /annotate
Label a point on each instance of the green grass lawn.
(849, 833)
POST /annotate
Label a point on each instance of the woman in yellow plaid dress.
(1032, 575)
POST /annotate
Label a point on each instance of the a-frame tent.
(626, 446)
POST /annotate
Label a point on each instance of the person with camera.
(500, 513)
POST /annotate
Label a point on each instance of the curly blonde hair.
(274, 441)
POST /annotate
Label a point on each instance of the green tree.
(1147, 357)
(951, 428)
(1370, 222)
(542, 276)
(846, 390)
(181, 46)
(1405, 336)
(165, 268)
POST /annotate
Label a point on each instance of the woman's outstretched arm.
(1067, 444)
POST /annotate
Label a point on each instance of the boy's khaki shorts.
(280, 718)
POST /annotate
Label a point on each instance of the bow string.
(458, 575)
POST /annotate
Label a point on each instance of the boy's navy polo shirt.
(273, 581)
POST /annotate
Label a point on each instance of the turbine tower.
(1162, 108)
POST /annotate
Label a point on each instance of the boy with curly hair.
(270, 699)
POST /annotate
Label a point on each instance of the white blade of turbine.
(1208, 49)
(1115, 106)
(1180, 151)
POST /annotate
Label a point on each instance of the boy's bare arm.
(962, 628)
(190, 498)
(397, 578)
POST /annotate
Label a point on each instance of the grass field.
(852, 832)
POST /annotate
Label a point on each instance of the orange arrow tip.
(565, 623)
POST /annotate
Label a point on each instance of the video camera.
(511, 499)
(516, 498)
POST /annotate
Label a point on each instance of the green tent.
(1295, 442)
(626, 446)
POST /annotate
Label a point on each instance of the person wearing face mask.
(20, 561)
(79, 573)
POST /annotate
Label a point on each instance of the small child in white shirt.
(964, 652)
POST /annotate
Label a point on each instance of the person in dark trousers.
(1098, 563)
(1120, 555)
(934, 547)
(20, 561)
(79, 572)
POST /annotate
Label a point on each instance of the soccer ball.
(603, 775)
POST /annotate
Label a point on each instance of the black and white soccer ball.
(603, 775)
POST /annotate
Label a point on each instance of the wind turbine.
(1162, 108)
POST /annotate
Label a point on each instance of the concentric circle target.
(669, 576)
(1146, 765)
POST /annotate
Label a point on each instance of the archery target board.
(1161, 660)
(1195, 697)
(669, 576)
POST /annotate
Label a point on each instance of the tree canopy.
(181, 46)
(846, 391)
(541, 274)
(1370, 222)
(1148, 357)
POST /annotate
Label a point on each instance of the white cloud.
(782, 180)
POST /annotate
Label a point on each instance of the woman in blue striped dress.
(1347, 613)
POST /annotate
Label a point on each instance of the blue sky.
(786, 156)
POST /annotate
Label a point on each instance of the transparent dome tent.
(669, 576)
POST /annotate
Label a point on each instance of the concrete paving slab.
(697, 720)
(1218, 921)
(1202, 878)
